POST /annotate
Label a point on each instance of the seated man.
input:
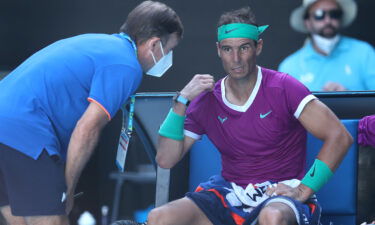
(257, 118)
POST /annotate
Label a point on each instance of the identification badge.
(122, 150)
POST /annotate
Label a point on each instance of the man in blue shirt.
(329, 61)
(54, 105)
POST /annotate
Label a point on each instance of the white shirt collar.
(250, 100)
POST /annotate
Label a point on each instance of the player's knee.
(269, 215)
(158, 216)
(274, 215)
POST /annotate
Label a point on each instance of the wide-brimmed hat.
(349, 8)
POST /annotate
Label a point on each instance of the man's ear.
(152, 43)
(218, 49)
(259, 47)
(307, 24)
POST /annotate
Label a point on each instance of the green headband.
(240, 30)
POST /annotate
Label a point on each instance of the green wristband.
(173, 126)
(317, 176)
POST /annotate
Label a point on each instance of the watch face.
(181, 99)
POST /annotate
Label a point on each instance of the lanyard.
(125, 135)
(128, 128)
(126, 131)
(130, 40)
(131, 115)
(132, 98)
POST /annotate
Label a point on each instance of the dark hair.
(152, 19)
(242, 15)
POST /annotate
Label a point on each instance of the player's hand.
(333, 86)
(300, 193)
(199, 83)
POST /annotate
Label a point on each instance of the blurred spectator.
(329, 61)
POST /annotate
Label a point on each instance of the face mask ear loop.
(153, 57)
(161, 46)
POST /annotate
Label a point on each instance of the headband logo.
(228, 31)
(240, 30)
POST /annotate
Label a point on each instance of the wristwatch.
(181, 99)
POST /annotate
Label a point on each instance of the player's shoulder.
(275, 79)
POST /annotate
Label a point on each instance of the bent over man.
(54, 105)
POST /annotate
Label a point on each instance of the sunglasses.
(320, 14)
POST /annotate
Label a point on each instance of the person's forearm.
(172, 144)
(179, 108)
(81, 147)
(335, 148)
(332, 153)
(170, 151)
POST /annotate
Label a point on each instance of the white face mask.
(162, 65)
(326, 45)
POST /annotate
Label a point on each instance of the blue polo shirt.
(43, 98)
(351, 63)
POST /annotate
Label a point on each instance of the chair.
(339, 196)
(149, 112)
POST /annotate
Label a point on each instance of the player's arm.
(170, 151)
(81, 146)
(320, 121)
(173, 145)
